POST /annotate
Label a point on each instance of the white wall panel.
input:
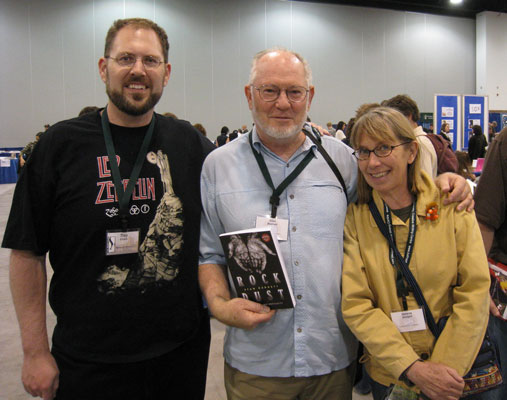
(227, 96)
(492, 58)
(357, 55)
(46, 38)
(395, 49)
(140, 9)
(279, 29)
(415, 52)
(79, 63)
(172, 16)
(374, 63)
(252, 39)
(104, 14)
(198, 41)
(15, 74)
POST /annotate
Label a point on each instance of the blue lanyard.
(401, 286)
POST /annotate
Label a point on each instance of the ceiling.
(468, 9)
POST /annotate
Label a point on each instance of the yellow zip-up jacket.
(449, 264)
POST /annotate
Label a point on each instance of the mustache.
(138, 79)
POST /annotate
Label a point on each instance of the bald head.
(279, 96)
(284, 55)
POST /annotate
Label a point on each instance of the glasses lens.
(126, 60)
(296, 94)
(151, 62)
(383, 150)
(362, 154)
(269, 93)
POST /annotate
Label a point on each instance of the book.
(256, 268)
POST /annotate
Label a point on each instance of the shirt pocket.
(324, 208)
(239, 209)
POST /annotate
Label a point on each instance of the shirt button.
(291, 196)
(300, 330)
(288, 165)
(296, 263)
(299, 297)
(294, 229)
(425, 356)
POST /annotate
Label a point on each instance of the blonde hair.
(387, 125)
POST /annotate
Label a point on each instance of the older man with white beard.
(306, 351)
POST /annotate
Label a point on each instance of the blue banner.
(474, 112)
(447, 109)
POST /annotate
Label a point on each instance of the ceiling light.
(456, 1)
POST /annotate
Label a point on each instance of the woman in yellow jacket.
(445, 253)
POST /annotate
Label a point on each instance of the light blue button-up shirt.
(312, 338)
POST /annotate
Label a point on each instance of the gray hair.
(260, 54)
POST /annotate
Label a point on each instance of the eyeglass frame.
(376, 148)
(280, 92)
(135, 61)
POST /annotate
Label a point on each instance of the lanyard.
(274, 200)
(401, 288)
(124, 195)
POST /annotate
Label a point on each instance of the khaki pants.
(334, 386)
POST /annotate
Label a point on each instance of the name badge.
(282, 225)
(122, 242)
(409, 321)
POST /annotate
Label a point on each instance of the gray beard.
(277, 133)
(123, 104)
(282, 134)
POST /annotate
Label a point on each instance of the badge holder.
(124, 241)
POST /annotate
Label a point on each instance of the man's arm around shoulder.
(28, 288)
(457, 189)
(237, 312)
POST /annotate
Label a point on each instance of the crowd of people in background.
(477, 144)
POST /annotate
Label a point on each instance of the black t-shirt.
(491, 196)
(124, 307)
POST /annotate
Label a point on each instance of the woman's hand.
(437, 381)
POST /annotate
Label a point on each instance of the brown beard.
(124, 105)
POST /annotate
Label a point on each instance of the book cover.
(256, 267)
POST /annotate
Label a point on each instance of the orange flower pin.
(432, 211)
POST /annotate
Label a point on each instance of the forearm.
(237, 312)
(28, 288)
(487, 236)
(213, 283)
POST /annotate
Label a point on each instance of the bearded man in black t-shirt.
(130, 320)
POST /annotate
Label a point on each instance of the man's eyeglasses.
(295, 94)
(382, 150)
(128, 60)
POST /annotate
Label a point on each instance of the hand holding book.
(256, 268)
(241, 313)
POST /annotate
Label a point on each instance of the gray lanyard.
(124, 195)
